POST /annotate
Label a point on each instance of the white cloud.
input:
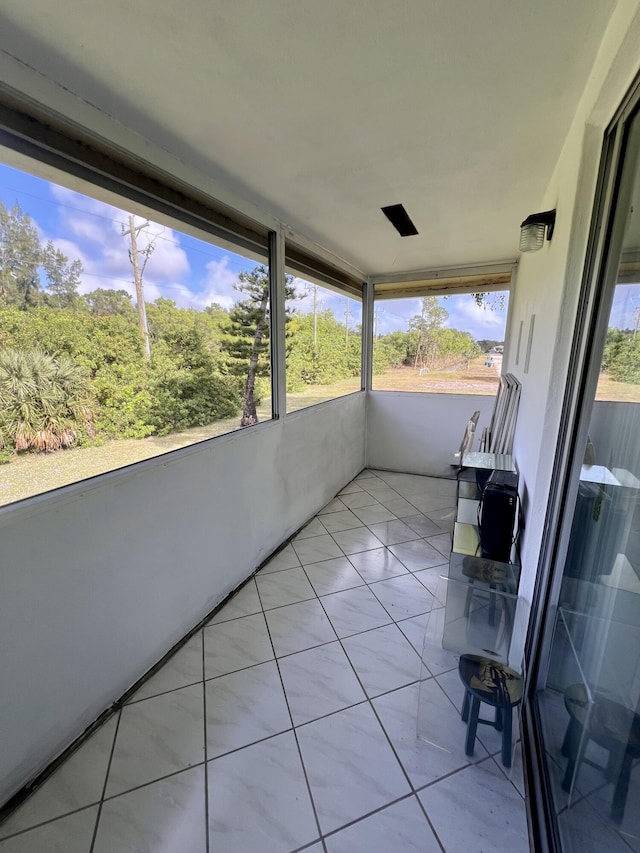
(464, 314)
(75, 203)
(394, 315)
(179, 293)
(219, 285)
(102, 247)
(303, 303)
(85, 229)
(480, 321)
(93, 232)
(168, 261)
(70, 249)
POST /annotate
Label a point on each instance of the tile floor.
(289, 721)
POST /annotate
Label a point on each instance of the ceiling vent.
(400, 219)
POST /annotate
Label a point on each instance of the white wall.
(419, 433)
(99, 580)
(548, 282)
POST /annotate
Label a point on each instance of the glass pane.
(121, 337)
(440, 344)
(590, 707)
(324, 344)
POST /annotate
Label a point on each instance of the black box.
(498, 510)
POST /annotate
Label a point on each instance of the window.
(122, 336)
(324, 343)
(439, 344)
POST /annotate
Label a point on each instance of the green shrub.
(186, 399)
(45, 402)
(124, 401)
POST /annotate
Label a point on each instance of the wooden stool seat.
(495, 684)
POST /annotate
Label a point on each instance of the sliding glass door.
(587, 700)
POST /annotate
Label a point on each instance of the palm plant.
(44, 401)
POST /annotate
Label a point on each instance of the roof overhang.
(448, 281)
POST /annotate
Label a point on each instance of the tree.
(62, 276)
(453, 346)
(20, 257)
(107, 348)
(334, 355)
(213, 324)
(109, 303)
(492, 301)
(486, 345)
(432, 315)
(132, 231)
(23, 258)
(185, 384)
(247, 341)
(188, 386)
(621, 357)
(399, 347)
(44, 401)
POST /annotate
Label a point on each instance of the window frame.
(53, 150)
(496, 278)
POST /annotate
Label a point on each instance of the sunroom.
(212, 630)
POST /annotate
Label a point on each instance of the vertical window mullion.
(278, 321)
(367, 335)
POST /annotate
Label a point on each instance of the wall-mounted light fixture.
(533, 228)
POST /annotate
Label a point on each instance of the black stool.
(488, 681)
(614, 728)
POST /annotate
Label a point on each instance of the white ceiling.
(323, 111)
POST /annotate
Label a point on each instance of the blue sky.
(486, 322)
(182, 268)
(192, 272)
(625, 311)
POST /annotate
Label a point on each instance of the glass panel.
(121, 337)
(440, 344)
(324, 344)
(470, 628)
(590, 707)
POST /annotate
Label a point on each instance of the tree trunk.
(142, 311)
(249, 413)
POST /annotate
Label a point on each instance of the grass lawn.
(474, 378)
(618, 392)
